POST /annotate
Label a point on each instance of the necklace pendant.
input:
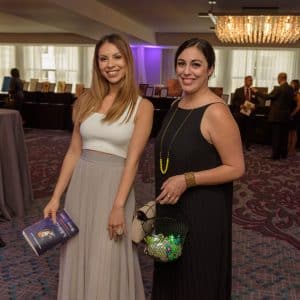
(162, 169)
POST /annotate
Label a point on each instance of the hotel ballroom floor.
(266, 225)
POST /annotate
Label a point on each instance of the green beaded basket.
(165, 243)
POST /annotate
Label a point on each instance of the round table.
(15, 182)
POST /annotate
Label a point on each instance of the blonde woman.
(112, 124)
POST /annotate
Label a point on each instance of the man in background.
(281, 105)
(243, 105)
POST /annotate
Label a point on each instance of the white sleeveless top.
(112, 138)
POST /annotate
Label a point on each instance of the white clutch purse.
(143, 221)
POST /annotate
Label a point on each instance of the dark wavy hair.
(15, 73)
(296, 84)
(202, 45)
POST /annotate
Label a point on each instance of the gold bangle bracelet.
(190, 179)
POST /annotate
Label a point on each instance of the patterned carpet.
(266, 231)
(267, 198)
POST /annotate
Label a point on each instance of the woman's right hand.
(51, 209)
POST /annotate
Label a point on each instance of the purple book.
(44, 234)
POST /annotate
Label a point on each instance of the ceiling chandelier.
(258, 29)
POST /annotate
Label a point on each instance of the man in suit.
(244, 114)
(281, 105)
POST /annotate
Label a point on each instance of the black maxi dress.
(204, 269)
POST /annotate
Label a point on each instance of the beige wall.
(44, 38)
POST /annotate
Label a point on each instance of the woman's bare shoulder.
(218, 109)
(146, 104)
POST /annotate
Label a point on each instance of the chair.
(25, 85)
(225, 97)
(149, 91)
(61, 86)
(45, 87)
(174, 88)
(32, 84)
(39, 86)
(5, 83)
(52, 87)
(164, 92)
(217, 90)
(261, 100)
(143, 87)
(68, 88)
(79, 89)
(263, 90)
(157, 90)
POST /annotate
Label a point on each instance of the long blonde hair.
(127, 95)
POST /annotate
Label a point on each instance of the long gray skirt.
(93, 267)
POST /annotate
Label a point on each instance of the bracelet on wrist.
(190, 179)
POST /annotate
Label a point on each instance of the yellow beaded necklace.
(163, 169)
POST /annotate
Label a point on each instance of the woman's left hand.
(172, 189)
(116, 223)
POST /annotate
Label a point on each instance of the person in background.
(279, 115)
(194, 181)
(16, 89)
(112, 124)
(294, 123)
(244, 115)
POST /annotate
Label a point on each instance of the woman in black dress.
(198, 154)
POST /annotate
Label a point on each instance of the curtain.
(216, 79)
(32, 62)
(67, 64)
(139, 64)
(267, 71)
(243, 64)
(85, 76)
(167, 66)
(7, 61)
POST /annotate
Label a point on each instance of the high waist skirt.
(93, 267)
